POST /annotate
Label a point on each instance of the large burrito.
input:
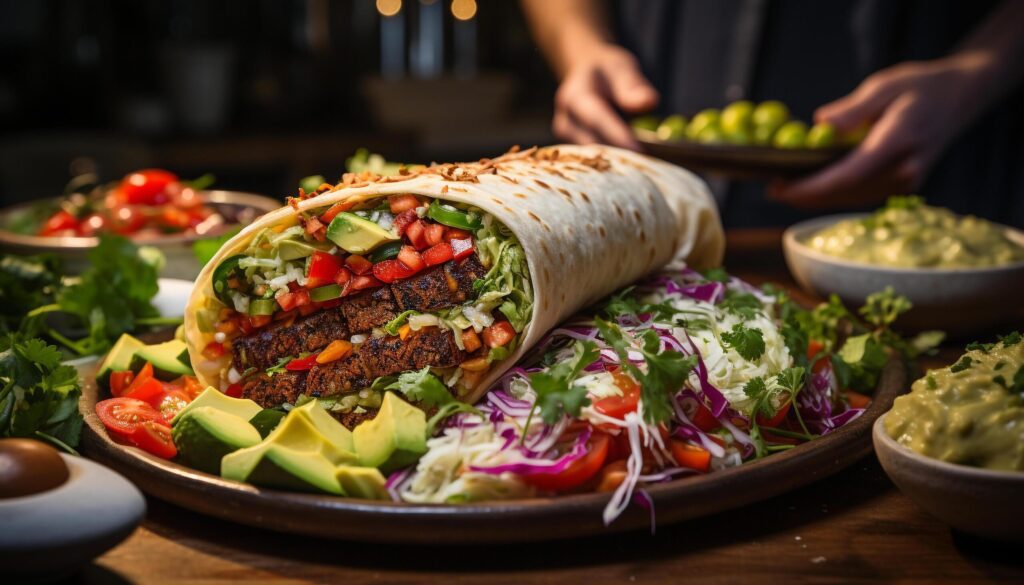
(458, 268)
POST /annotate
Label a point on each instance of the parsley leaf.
(557, 396)
(666, 371)
(747, 341)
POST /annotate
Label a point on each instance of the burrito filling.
(337, 305)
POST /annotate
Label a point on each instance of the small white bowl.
(977, 501)
(958, 301)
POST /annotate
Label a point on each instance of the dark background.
(135, 83)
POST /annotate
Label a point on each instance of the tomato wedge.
(121, 415)
(154, 438)
(578, 472)
(691, 456)
(172, 402)
(619, 406)
(119, 381)
(59, 222)
(147, 187)
(704, 420)
(780, 415)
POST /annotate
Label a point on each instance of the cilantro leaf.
(716, 275)
(424, 388)
(881, 309)
(556, 393)
(743, 305)
(666, 373)
(755, 388)
(747, 341)
(859, 362)
(791, 379)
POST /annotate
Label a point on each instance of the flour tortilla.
(591, 219)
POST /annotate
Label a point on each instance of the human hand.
(593, 86)
(916, 109)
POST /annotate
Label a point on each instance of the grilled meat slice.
(439, 287)
(369, 310)
(269, 391)
(337, 377)
(264, 349)
(384, 356)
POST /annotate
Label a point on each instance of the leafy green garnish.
(424, 388)
(557, 396)
(626, 303)
(717, 274)
(859, 362)
(747, 341)
(38, 395)
(26, 282)
(666, 373)
(744, 305)
(881, 309)
(279, 367)
(963, 364)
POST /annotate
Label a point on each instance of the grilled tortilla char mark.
(263, 349)
(438, 288)
(269, 391)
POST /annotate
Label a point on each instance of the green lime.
(743, 137)
(737, 117)
(672, 128)
(645, 123)
(701, 121)
(792, 134)
(771, 113)
(711, 134)
(821, 135)
(763, 135)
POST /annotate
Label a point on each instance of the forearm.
(567, 30)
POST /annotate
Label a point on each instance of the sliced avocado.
(333, 431)
(295, 249)
(361, 482)
(300, 454)
(118, 359)
(164, 357)
(205, 435)
(357, 235)
(396, 437)
(267, 420)
(243, 408)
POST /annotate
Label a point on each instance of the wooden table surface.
(852, 527)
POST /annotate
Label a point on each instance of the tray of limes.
(744, 141)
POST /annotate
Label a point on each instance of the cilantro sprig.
(666, 373)
(38, 395)
(557, 395)
(747, 341)
(424, 388)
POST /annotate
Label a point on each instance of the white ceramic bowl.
(977, 501)
(51, 534)
(959, 301)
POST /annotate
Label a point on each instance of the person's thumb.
(630, 90)
(863, 106)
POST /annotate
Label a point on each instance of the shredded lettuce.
(506, 285)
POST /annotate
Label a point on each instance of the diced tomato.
(813, 348)
(322, 269)
(434, 234)
(471, 340)
(857, 400)
(234, 390)
(302, 364)
(416, 234)
(59, 222)
(438, 254)
(390, 271)
(691, 456)
(214, 350)
(578, 471)
(172, 402)
(619, 406)
(258, 321)
(358, 264)
(499, 334)
(154, 438)
(147, 187)
(119, 381)
(411, 258)
(404, 220)
(704, 420)
(328, 216)
(287, 301)
(461, 248)
(121, 415)
(456, 234)
(342, 277)
(364, 282)
(776, 420)
(612, 476)
(400, 203)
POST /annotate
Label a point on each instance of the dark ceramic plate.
(739, 162)
(509, 521)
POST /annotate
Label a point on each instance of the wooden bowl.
(977, 501)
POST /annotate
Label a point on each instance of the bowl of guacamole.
(962, 273)
(955, 443)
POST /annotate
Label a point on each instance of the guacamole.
(971, 412)
(908, 233)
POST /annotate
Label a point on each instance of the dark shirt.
(704, 54)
